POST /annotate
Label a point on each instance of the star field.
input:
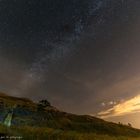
(82, 55)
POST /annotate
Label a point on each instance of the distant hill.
(26, 113)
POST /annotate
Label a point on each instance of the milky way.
(81, 55)
(42, 33)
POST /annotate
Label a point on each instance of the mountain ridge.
(43, 115)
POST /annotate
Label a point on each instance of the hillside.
(37, 118)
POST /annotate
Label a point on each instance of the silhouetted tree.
(129, 124)
(43, 104)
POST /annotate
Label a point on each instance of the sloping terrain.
(41, 117)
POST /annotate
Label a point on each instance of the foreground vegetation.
(42, 133)
(23, 119)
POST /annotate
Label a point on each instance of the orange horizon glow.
(124, 108)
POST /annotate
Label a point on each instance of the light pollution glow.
(124, 108)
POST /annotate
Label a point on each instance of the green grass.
(51, 124)
(44, 133)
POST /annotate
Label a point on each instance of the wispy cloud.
(126, 107)
(110, 103)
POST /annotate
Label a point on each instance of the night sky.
(81, 55)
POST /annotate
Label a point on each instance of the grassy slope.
(54, 124)
(43, 133)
